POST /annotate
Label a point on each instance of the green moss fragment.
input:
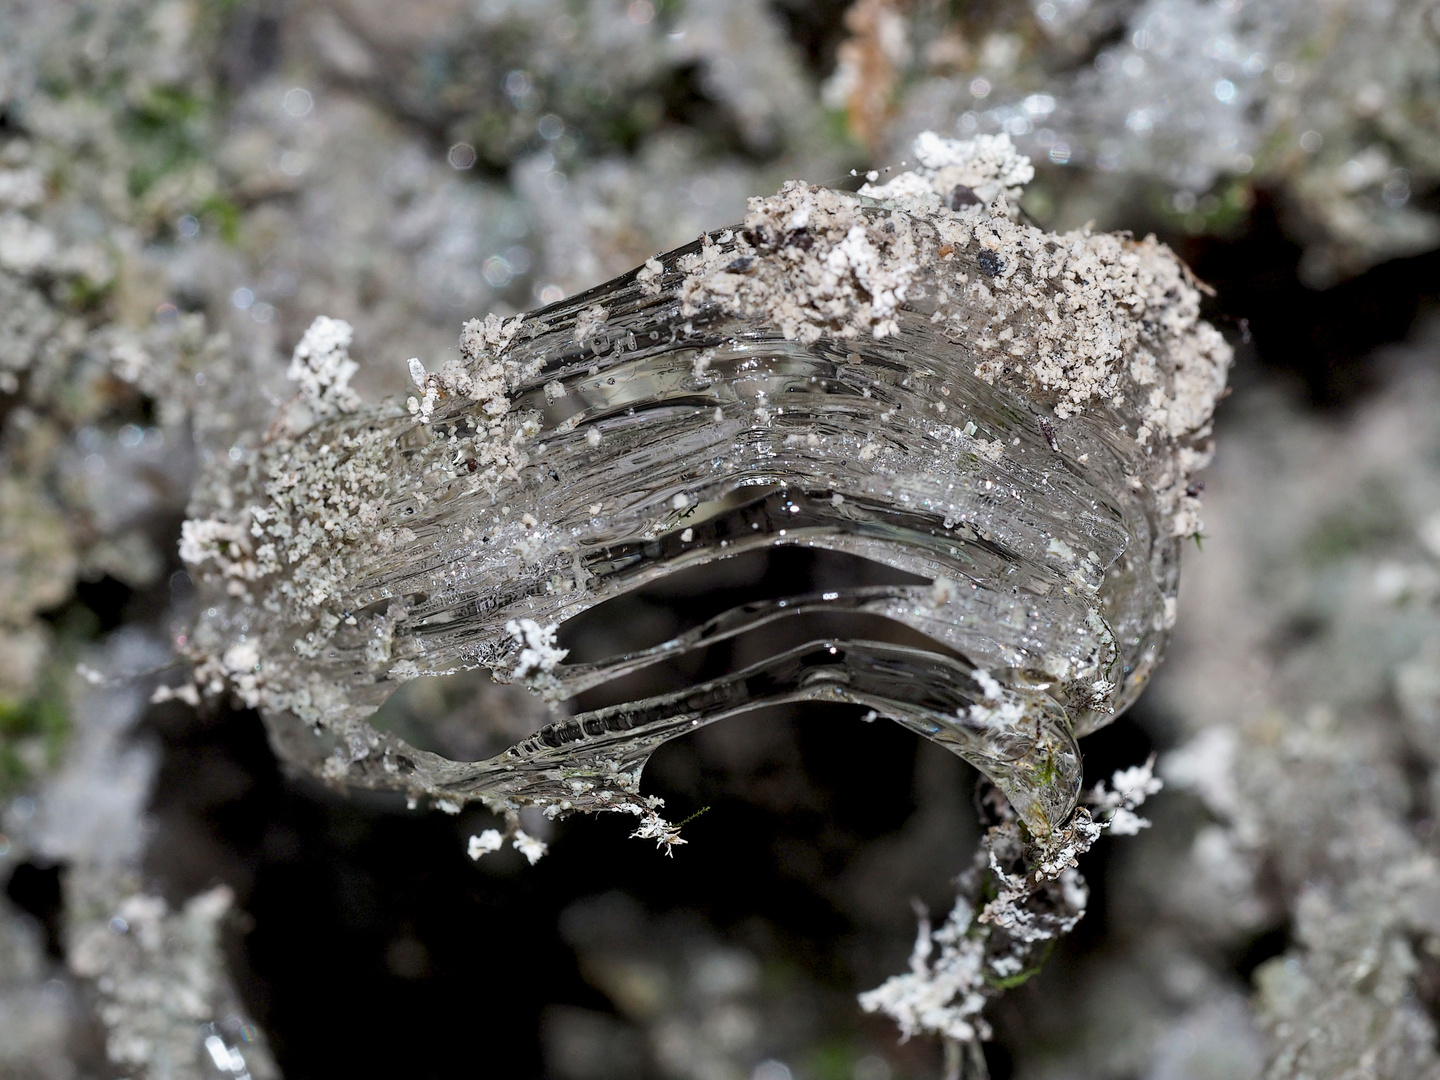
(43, 718)
(221, 214)
(167, 130)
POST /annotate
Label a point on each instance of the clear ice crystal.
(1001, 422)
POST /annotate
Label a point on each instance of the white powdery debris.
(322, 366)
(649, 276)
(989, 165)
(885, 282)
(654, 827)
(944, 997)
(590, 322)
(1003, 712)
(488, 841)
(538, 654)
(483, 374)
(1073, 321)
(533, 850)
(810, 261)
(1081, 319)
(209, 539)
(301, 510)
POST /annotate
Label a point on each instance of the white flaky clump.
(533, 850)
(886, 282)
(590, 322)
(480, 375)
(980, 955)
(810, 261)
(654, 827)
(488, 841)
(204, 539)
(322, 366)
(944, 996)
(985, 167)
(1128, 789)
(424, 406)
(538, 654)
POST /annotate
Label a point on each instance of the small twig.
(681, 824)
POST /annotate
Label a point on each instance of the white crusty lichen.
(1014, 902)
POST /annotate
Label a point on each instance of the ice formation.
(909, 376)
(174, 211)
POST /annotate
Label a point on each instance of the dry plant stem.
(964, 1061)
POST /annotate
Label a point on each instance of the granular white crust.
(1073, 321)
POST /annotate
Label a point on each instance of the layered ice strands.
(983, 434)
